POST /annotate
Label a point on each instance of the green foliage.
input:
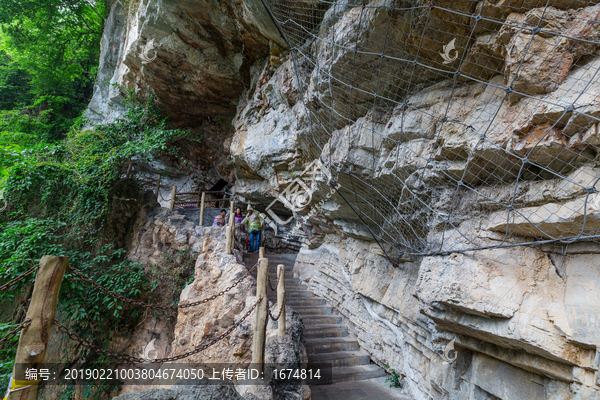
(393, 378)
(57, 44)
(129, 6)
(62, 183)
(60, 198)
(7, 352)
(74, 178)
(49, 60)
(175, 273)
(15, 87)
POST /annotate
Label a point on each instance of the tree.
(49, 57)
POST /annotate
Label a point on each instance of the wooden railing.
(35, 329)
(262, 313)
(199, 199)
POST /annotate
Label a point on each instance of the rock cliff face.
(523, 320)
(159, 230)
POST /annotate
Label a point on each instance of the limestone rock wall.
(523, 320)
(202, 56)
(159, 230)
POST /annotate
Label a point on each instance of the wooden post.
(261, 252)
(157, 186)
(258, 340)
(202, 208)
(228, 239)
(231, 213)
(33, 342)
(280, 297)
(229, 232)
(232, 224)
(173, 196)
(129, 169)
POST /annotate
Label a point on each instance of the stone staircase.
(327, 339)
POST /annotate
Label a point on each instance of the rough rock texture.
(204, 56)
(185, 392)
(524, 320)
(216, 271)
(161, 229)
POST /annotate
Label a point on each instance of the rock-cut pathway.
(329, 341)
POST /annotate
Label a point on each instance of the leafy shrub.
(394, 377)
(60, 198)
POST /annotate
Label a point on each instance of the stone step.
(273, 271)
(305, 302)
(273, 267)
(279, 256)
(357, 373)
(325, 331)
(342, 358)
(321, 319)
(330, 345)
(288, 274)
(273, 275)
(299, 294)
(275, 263)
(290, 296)
(313, 310)
(251, 259)
(291, 286)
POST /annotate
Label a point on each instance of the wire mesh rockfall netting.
(452, 125)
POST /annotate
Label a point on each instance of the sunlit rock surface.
(524, 320)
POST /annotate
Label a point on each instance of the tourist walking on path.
(239, 218)
(255, 225)
(220, 219)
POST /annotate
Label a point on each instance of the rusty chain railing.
(280, 310)
(14, 332)
(158, 306)
(47, 286)
(19, 278)
(274, 289)
(125, 357)
(271, 286)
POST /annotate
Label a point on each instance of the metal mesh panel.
(452, 126)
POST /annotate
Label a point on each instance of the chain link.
(16, 280)
(222, 292)
(274, 288)
(14, 332)
(125, 357)
(280, 310)
(158, 306)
